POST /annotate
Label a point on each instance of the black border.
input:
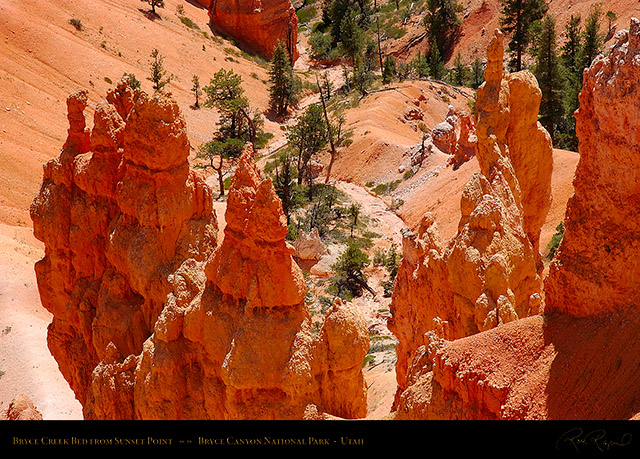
(425, 438)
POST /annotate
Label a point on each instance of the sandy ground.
(26, 366)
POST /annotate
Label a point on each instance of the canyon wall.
(490, 272)
(152, 319)
(579, 360)
(257, 25)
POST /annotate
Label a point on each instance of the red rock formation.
(22, 408)
(256, 24)
(151, 319)
(579, 360)
(466, 143)
(488, 274)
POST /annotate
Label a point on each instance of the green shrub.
(189, 23)
(555, 240)
(349, 279)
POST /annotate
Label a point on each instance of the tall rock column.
(151, 318)
(489, 274)
(580, 359)
(596, 268)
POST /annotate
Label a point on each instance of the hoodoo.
(579, 359)
(153, 320)
(490, 272)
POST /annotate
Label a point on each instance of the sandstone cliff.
(153, 320)
(579, 360)
(256, 24)
(490, 272)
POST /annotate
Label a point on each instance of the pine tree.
(158, 72)
(236, 125)
(477, 73)
(154, 3)
(516, 17)
(550, 78)
(443, 24)
(284, 86)
(309, 136)
(196, 90)
(592, 39)
(352, 36)
(362, 77)
(389, 70)
(571, 61)
(436, 66)
(420, 66)
(459, 70)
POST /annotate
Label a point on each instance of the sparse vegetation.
(133, 81)
(386, 188)
(158, 75)
(349, 280)
(555, 240)
(189, 23)
(77, 23)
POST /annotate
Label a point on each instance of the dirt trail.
(373, 206)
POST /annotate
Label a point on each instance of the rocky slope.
(480, 17)
(151, 318)
(578, 360)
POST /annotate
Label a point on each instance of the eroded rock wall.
(256, 24)
(151, 318)
(579, 359)
(490, 272)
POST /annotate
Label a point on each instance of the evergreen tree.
(154, 3)
(477, 73)
(443, 24)
(158, 73)
(592, 39)
(352, 36)
(196, 90)
(362, 77)
(420, 66)
(335, 11)
(436, 66)
(284, 85)
(308, 136)
(571, 61)
(389, 70)
(236, 125)
(550, 78)
(349, 280)
(459, 70)
(516, 18)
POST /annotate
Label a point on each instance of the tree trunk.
(329, 131)
(220, 178)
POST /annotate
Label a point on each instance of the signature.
(595, 438)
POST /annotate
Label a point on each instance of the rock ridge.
(152, 317)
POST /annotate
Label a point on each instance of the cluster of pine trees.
(558, 63)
